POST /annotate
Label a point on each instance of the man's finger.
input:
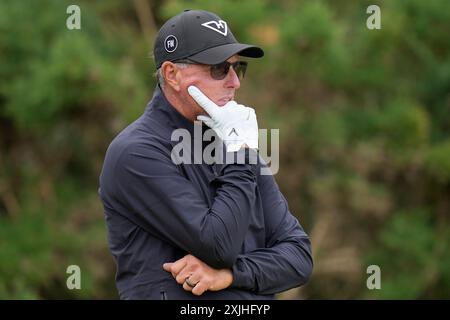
(185, 273)
(203, 101)
(186, 287)
(178, 265)
(191, 282)
(200, 288)
(168, 266)
(206, 120)
(194, 278)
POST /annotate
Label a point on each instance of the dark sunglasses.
(219, 71)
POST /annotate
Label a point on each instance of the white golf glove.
(235, 124)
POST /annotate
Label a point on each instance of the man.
(198, 231)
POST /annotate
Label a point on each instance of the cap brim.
(221, 53)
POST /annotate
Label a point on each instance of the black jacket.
(229, 216)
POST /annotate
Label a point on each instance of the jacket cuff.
(241, 279)
(244, 156)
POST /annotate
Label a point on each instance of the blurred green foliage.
(364, 119)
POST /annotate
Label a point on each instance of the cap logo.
(171, 43)
(218, 26)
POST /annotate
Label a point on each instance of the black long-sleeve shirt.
(227, 215)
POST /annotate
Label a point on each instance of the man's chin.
(222, 102)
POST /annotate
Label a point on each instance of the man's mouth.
(224, 101)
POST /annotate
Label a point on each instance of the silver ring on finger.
(190, 284)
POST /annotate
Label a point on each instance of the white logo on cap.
(171, 43)
(220, 27)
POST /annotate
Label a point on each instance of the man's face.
(219, 91)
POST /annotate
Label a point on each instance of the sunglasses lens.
(220, 71)
(240, 67)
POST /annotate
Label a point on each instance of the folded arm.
(168, 205)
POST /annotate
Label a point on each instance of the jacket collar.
(160, 109)
(166, 113)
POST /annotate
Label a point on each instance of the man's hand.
(200, 275)
(234, 123)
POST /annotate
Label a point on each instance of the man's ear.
(169, 71)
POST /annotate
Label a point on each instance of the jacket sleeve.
(286, 261)
(166, 204)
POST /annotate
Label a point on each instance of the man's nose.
(232, 79)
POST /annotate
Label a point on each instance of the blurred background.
(364, 119)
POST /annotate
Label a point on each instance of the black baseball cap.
(202, 37)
